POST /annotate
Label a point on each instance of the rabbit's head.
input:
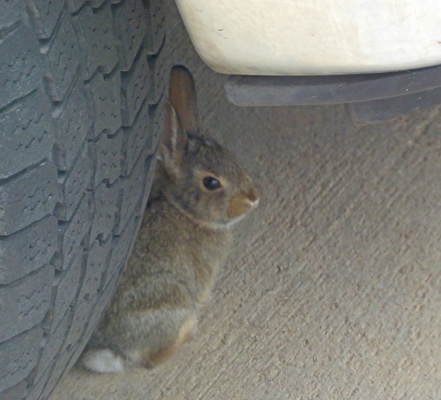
(200, 177)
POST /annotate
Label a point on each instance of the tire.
(80, 115)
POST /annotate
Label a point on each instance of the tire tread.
(80, 118)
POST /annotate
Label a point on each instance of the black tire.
(80, 114)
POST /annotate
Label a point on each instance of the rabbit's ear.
(183, 98)
(173, 141)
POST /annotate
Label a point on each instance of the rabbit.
(199, 192)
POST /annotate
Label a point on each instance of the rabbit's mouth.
(240, 204)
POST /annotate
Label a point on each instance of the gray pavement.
(333, 290)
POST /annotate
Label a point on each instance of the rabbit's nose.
(252, 197)
(242, 202)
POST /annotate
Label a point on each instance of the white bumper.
(314, 37)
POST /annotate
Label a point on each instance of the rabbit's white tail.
(103, 361)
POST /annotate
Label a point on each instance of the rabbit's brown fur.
(183, 240)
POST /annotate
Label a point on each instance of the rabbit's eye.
(211, 183)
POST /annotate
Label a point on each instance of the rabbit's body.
(182, 242)
(164, 284)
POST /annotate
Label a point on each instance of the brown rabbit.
(199, 192)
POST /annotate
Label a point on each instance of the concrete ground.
(333, 290)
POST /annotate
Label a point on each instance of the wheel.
(80, 115)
